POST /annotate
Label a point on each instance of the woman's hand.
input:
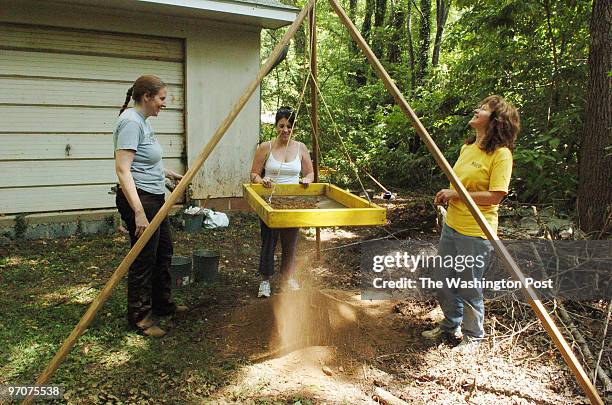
(444, 196)
(307, 168)
(172, 175)
(141, 223)
(267, 182)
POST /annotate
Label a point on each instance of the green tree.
(442, 10)
(533, 53)
(424, 40)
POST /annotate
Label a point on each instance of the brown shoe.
(146, 322)
(154, 331)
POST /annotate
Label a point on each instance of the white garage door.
(61, 93)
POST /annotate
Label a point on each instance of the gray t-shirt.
(134, 132)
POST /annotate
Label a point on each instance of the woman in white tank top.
(280, 161)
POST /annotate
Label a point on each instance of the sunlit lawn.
(46, 286)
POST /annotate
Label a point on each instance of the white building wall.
(220, 60)
(220, 68)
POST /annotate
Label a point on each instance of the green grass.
(46, 286)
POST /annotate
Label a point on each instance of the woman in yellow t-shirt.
(484, 167)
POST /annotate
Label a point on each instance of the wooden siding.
(17, 36)
(63, 89)
(63, 172)
(74, 146)
(44, 64)
(45, 199)
(75, 93)
(33, 119)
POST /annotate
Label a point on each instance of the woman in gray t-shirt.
(141, 174)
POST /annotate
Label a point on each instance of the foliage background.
(533, 53)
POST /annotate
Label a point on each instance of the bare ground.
(326, 345)
(320, 345)
(329, 346)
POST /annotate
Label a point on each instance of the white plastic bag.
(214, 219)
(193, 211)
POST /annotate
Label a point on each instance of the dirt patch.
(331, 346)
(290, 202)
(299, 340)
(304, 202)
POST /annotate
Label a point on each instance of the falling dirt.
(313, 349)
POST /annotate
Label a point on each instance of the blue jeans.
(462, 304)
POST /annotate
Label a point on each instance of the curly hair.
(504, 125)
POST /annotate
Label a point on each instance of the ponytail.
(128, 97)
(146, 84)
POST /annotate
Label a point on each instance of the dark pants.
(149, 276)
(269, 237)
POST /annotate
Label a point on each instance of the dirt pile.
(311, 343)
(295, 320)
(329, 346)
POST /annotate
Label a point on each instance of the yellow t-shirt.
(479, 171)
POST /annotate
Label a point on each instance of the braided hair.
(128, 97)
(146, 84)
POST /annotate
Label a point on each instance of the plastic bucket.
(180, 271)
(193, 223)
(205, 265)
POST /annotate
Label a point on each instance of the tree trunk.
(595, 160)
(424, 40)
(353, 48)
(379, 23)
(352, 10)
(366, 27)
(393, 51)
(411, 59)
(442, 9)
(554, 96)
(299, 43)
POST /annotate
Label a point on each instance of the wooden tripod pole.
(500, 249)
(314, 121)
(164, 210)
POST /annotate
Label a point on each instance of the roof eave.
(267, 16)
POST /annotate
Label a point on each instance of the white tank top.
(283, 173)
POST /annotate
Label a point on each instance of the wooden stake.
(97, 303)
(500, 249)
